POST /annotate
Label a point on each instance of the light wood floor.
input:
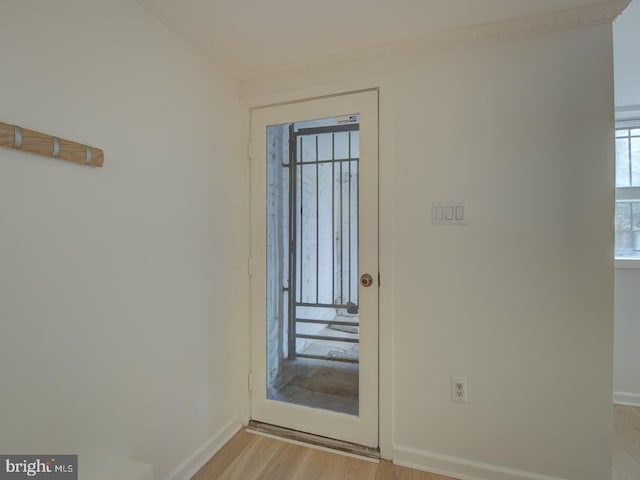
(253, 457)
(626, 443)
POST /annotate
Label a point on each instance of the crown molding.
(171, 20)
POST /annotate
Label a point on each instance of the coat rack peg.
(19, 138)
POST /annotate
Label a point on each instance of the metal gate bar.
(293, 241)
(296, 288)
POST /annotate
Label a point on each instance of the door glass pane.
(312, 263)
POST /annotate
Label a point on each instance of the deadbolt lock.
(366, 280)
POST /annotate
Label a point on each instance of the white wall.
(119, 287)
(520, 300)
(626, 372)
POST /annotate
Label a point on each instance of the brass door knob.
(366, 280)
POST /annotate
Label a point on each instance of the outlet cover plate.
(459, 389)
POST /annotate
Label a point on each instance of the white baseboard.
(131, 470)
(459, 468)
(194, 462)
(627, 399)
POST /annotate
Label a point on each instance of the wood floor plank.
(227, 454)
(321, 465)
(626, 443)
(287, 463)
(254, 459)
(396, 472)
(356, 469)
(389, 471)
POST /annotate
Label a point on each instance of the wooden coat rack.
(19, 138)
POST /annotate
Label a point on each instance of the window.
(627, 215)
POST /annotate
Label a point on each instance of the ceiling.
(247, 35)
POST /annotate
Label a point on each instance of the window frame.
(627, 118)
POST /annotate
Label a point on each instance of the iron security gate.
(323, 239)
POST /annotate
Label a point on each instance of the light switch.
(449, 214)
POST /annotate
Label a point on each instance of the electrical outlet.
(459, 389)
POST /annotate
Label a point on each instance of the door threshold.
(339, 446)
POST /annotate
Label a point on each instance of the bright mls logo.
(43, 467)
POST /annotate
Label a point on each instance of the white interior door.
(314, 283)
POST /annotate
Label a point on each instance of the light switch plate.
(449, 213)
